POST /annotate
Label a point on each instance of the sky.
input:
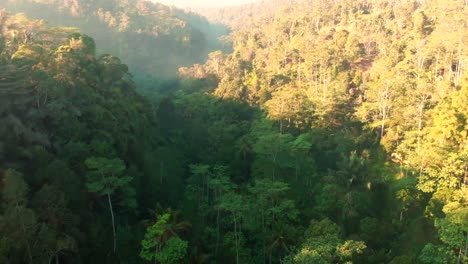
(204, 3)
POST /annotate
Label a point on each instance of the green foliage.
(349, 113)
(18, 223)
(324, 245)
(152, 38)
(15, 189)
(150, 243)
(436, 254)
(105, 175)
(349, 248)
(155, 244)
(82, 43)
(173, 251)
(50, 89)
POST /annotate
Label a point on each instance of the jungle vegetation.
(324, 132)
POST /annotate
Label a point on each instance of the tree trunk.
(275, 154)
(28, 247)
(161, 171)
(459, 68)
(217, 233)
(299, 73)
(466, 245)
(420, 120)
(459, 255)
(157, 250)
(297, 170)
(113, 220)
(384, 116)
(382, 129)
(236, 238)
(217, 225)
(264, 239)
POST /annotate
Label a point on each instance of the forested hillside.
(239, 16)
(153, 39)
(334, 132)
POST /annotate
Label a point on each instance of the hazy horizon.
(204, 3)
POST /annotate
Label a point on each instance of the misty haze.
(233, 132)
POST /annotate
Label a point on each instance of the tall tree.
(105, 176)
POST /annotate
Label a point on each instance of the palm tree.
(168, 226)
(280, 238)
(176, 225)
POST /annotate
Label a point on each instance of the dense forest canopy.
(331, 132)
(153, 39)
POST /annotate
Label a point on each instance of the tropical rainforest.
(294, 132)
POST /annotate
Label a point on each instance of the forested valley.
(294, 132)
